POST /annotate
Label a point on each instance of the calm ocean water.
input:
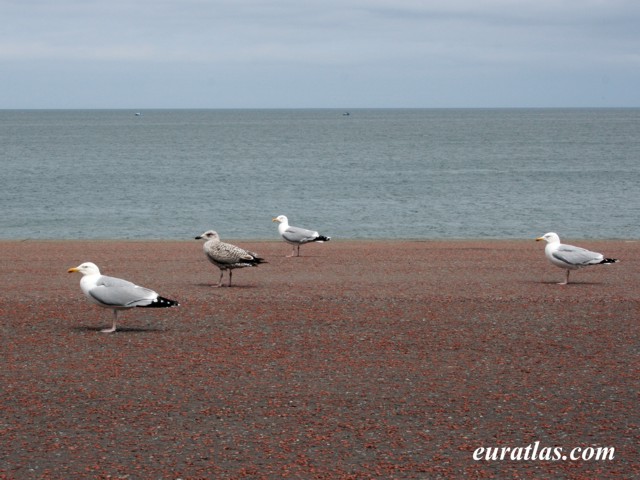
(171, 174)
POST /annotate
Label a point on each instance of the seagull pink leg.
(566, 280)
(115, 319)
(220, 279)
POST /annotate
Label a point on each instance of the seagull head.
(209, 235)
(550, 237)
(280, 219)
(86, 268)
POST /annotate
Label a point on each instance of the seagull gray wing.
(116, 292)
(299, 235)
(577, 256)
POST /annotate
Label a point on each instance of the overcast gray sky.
(319, 53)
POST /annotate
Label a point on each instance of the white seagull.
(226, 256)
(297, 236)
(570, 257)
(116, 293)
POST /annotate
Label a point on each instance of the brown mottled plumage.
(226, 256)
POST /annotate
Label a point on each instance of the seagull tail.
(161, 302)
(610, 260)
(322, 238)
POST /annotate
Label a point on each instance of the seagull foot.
(108, 330)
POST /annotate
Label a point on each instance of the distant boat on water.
(346, 114)
(138, 114)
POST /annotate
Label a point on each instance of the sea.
(356, 174)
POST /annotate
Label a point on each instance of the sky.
(319, 53)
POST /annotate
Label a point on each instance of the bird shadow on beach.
(121, 329)
(223, 287)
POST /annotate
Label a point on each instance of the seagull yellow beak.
(275, 220)
(539, 238)
(71, 270)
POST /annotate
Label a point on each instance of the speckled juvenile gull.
(570, 257)
(116, 293)
(297, 236)
(226, 256)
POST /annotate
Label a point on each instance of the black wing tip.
(162, 302)
(610, 260)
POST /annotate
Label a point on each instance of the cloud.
(385, 39)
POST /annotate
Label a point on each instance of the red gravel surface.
(357, 360)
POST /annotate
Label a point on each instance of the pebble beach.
(357, 360)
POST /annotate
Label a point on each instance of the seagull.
(570, 257)
(226, 256)
(297, 236)
(116, 293)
